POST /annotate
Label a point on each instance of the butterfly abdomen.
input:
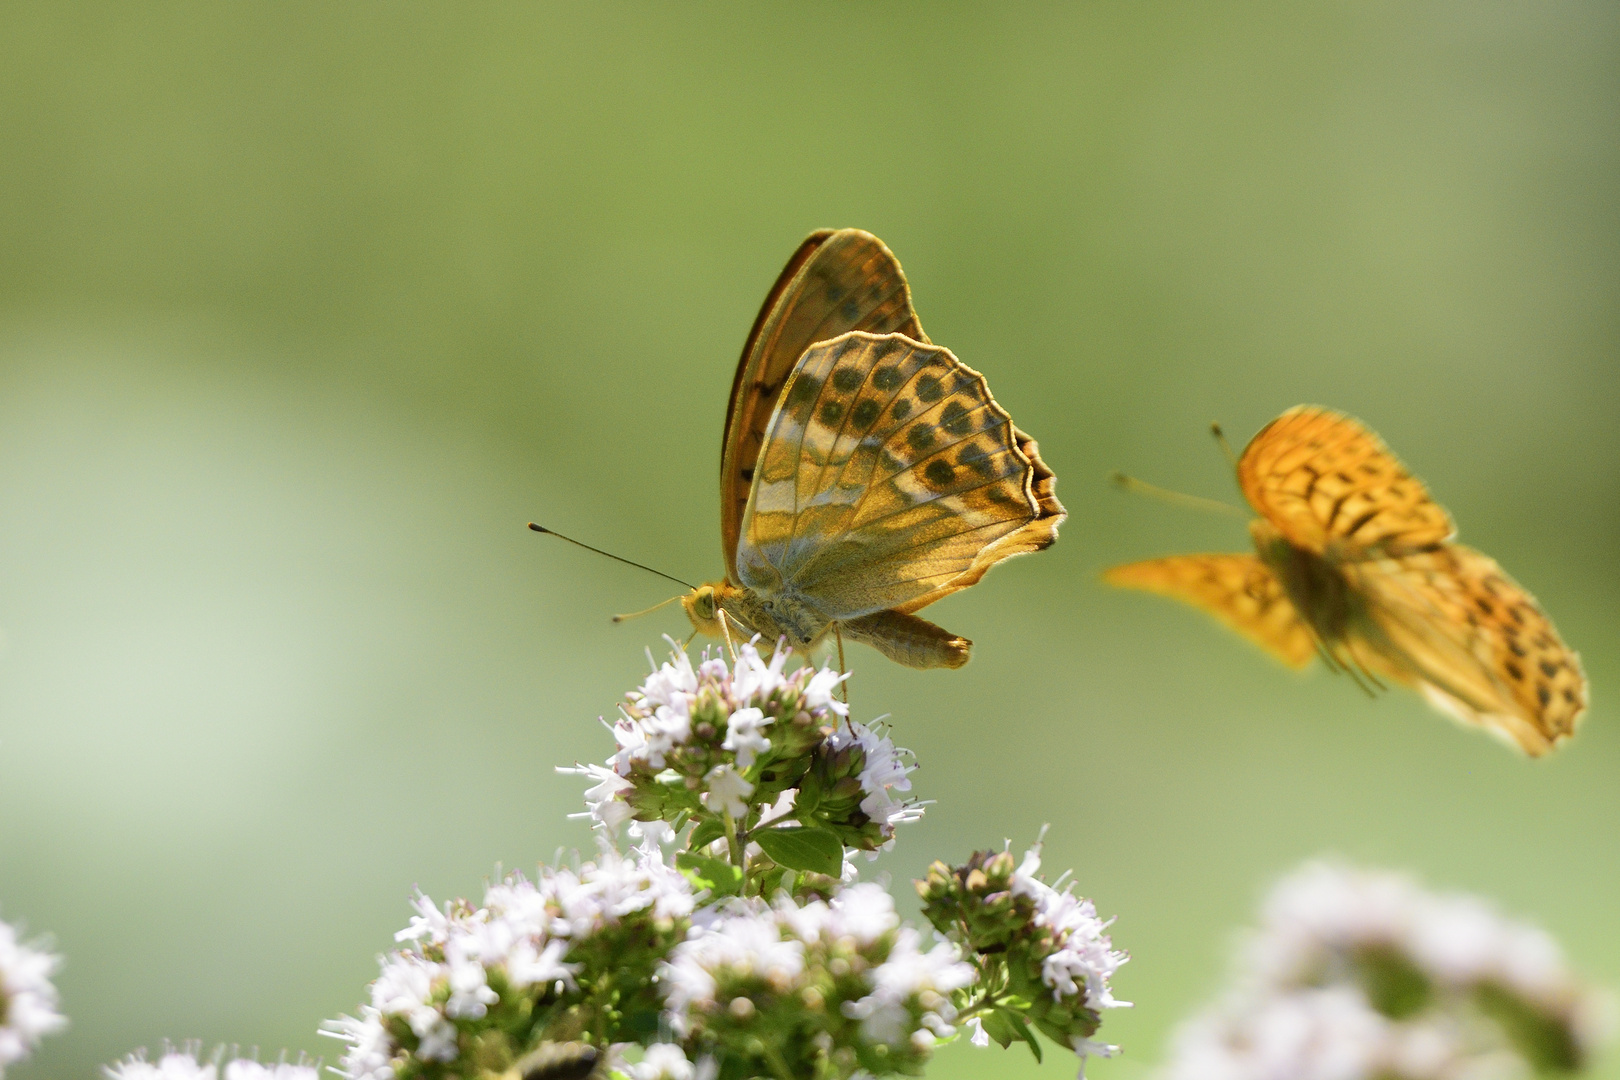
(1315, 585)
(909, 640)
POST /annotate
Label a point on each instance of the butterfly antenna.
(609, 554)
(1226, 447)
(1196, 502)
(645, 611)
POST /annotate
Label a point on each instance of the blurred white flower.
(27, 997)
(1334, 942)
(666, 1061)
(187, 1063)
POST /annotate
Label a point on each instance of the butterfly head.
(703, 604)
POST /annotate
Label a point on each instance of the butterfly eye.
(705, 602)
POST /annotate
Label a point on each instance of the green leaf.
(707, 873)
(1026, 1034)
(707, 832)
(817, 850)
(998, 1025)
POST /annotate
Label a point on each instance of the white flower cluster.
(660, 715)
(905, 998)
(885, 777)
(1300, 1011)
(658, 721)
(523, 931)
(1084, 958)
(27, 997)
(188, 1063)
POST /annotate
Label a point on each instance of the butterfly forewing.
(1450, 622)
(1237, 589)
(890, 477)
(1329, 484)
(837, 281)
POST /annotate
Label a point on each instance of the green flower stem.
(778, 1064)
(734, 841)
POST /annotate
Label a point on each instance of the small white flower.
(727, 790)
(980, 1037)
(370, 1051)
(663, 1061)
(820, 690)
(27, 997)
(744, 735)
(602, 800)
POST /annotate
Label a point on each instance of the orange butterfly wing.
(835, 282)
(1477, 645)
(1331, 486)
(1237, 589)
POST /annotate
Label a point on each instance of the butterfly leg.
(1336, 664)
(725, 630)
(843, 685)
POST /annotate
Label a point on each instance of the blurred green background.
(306, 309)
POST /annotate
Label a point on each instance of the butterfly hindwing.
(1237, 589)
(1325, 481)
(890, 477)
(1452, 623)
(835, 282)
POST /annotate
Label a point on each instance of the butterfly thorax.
(747, 613)
(1315, 583)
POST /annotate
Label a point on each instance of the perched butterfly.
(1355, 563)
(865, 472)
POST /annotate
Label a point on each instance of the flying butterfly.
(865, 472)
(1355, 562)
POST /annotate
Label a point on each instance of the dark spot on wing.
(832, 412)
(747, 474)
(846, 380)
(805, 388)
(929, 389)
(938, 473)
(975, 457)
(1485, 605)
(1516, 613)
(835, 293)
(901, 410)
(921, 437)
(1569, 695)
(850, 311)
(887, 378)
(865, 412)
(955, 419)
(1514, 670)
(1516, 649)
(1543, 695)
(1548, 668)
